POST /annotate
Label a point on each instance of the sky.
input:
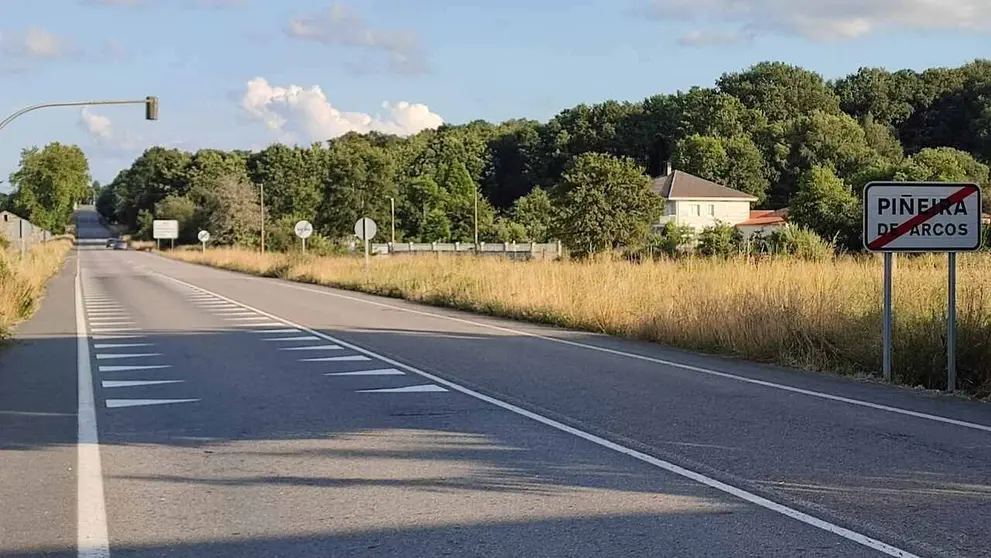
(242, 74)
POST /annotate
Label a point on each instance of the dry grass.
(823, 316)
(22, 280)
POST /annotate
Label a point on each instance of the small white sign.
(303, 229)
(365, 228)
(922, 217)
(165, 229)
(203, 236)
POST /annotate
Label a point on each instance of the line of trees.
(777, 131)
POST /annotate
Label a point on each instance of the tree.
(780, 91)
(292, 178)
(826, 206)
(534, 213)
(232, 213)
(360, 178)
(48, 183)
(734, 162)
(157, 173)
(721, 239)
(604, 202)
(183, 210)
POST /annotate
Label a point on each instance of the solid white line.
(672, 364)
(313, 348)
(350, 358)
(659, 463)
(301, 338)
(92, 540)
(425, 388)
(120, 345)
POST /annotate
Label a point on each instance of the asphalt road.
(240, 416)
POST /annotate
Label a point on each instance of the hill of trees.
(777, 131)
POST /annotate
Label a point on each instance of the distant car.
(120, 245)
(110, 243)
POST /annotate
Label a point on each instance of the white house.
(700, 203)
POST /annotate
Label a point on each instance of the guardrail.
(517, 250)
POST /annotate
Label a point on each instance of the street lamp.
(150, 103)
(476, 216)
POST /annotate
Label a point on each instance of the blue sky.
(225, 69)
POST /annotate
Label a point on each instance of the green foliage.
(48, 183)
(181, 209)
(672, 239)
(604, 202)
(720, 240)
(826, 206)
(794, 241)
(735, 162)
(534, 214)
(436, 227)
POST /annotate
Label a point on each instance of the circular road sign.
(303, 229)
(203, 236)
(365, 228)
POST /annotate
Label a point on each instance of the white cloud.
(338, 25)
(702, 38)
(36, 43)
(829, 19)
(290, 111)
(106, 133)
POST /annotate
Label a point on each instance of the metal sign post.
(303, 230)
(922, 217)
(203, 237)
(365, 229)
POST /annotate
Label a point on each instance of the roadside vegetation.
(23, 278)
(817, 315)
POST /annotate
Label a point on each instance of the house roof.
(761, 217)
(681, 185)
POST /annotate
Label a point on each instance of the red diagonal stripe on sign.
(901, 230)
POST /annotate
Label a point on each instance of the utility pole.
(476, 216)
(262, 186)
(392, 204)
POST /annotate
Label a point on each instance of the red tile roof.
(759, 217)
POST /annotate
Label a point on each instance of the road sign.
(203, 236)
(303, 229)
(165, 229)
(365, 228)
(922, 217)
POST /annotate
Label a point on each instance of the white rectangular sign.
(922, 217)
(165, 229)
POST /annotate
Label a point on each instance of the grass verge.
(23, 278)
(820, 316)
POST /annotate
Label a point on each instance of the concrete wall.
(15, 229)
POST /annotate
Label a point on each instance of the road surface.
(241, 416)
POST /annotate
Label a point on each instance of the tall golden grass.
(822, 316)
(23, 278)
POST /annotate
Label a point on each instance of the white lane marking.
(110, 322)
(103, 306)
(111, 336)
(699, 369)
(114, 329)
(121, 403)
(120, 345)
(92, 540)
(274, 331)
(107, 312)
(425, 388)
(137, 383)
(300, 338)
(313, 348)
(235, 313)
(265, 324)
(133, 368)
(126, 355)
(246, 319)
(598, 440)
(350, 358)
(378, 372)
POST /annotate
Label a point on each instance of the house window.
(696, 209)
(712, 209)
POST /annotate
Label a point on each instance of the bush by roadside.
(23, 278)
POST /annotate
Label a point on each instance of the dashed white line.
(120, 345)
(114, 329)
(377, 372)
(287, 339)
(134, 368)
(121, 403)
(137, 383)
(425, 388)
(750, 497)
(126, 355)
(274, 331)
(313, 348)
(349, 358)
